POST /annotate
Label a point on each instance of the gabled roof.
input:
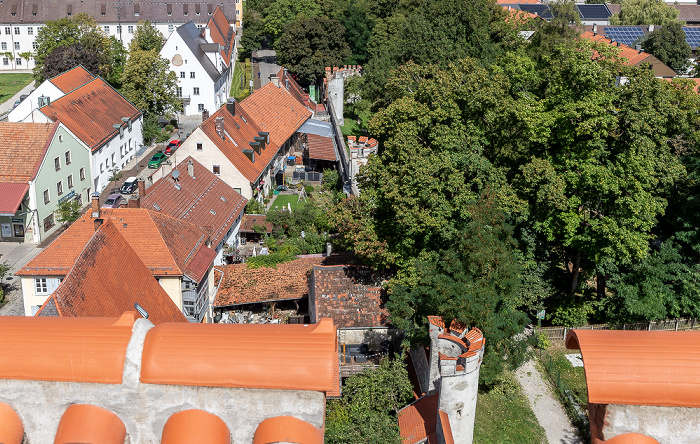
(294, 89)
(321, 148)
(659, 368)
(167, 246)
(22, 149)
(107, 279)
(633, 56)
(90, 111)
(203, 199)
(687, 13)
(418, 420)
(221, 32)
(192, 36)
(276, 111)
(72, 79)
(238, 131)
(289, 280)
(350, 295)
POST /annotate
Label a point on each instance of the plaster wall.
(29, 296)
(458, 400)
(172, 286)
(144, 408)
(114, 154)
(668, 425)
(336, 94)
(29, 104)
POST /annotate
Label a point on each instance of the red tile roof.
(107, 279)
(237, 355)
(23, 147)
(11, 197)
(633, 56)
(418, 420)
(659, 368)
(90, 111)
(350, 295)
(249, 221)
(164, 244)
(293, 87)
(276, 111)
(72, 79)
(222, 33)
(239, 130)
(11, 427)
(203, 199)
(321, 148)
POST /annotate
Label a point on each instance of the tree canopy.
(149, 84)
(281, 12)
(146, 38)
(668, 44)
(644, 12)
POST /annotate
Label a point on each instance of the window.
(199, 146)
(196, 91)
(82, 174)
(182, 74)
(30, 30)
(106, 28)
(112, 158)
(59, 188)
(3, 45)
(237, 190)
(70, 181)
(179, 91)
(34, 46)
(48, 222)
(67, 157)
(5, 61)
(171, 28)
(47, 198)
(216, 169)
(191, 75)
(200, 107)
(130, 29)
(102, 167)
(41, 286)
(16, 30)
(18, 61)
(57, 163)
(60, 137)
(119, 29)
(8, 30)
(238, 12)
(17, 46)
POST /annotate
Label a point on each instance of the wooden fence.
(559, 333)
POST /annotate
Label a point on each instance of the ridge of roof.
(72, 79)
(192, 37)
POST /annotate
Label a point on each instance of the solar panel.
(627, 35)
(541, 10)
(594, 12)
(692, 36)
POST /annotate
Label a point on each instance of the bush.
(150, 130)
(269, 260)
(543, 341)
(169, 128)
(573, 315)
(254, 207)
(331, 180)
(309, 189)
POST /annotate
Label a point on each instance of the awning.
(11, 197)
(317, 127)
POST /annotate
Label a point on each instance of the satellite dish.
(176, 174)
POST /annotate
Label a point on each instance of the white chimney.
(595, 28)
(651, 28)
(275, 81)
(190, 168)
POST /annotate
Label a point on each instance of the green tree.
(146, 38)
(644, 12)
(308, 45)
(119, 57)
(282, 12)
(254, 207)
(367, 411)
(67, 57)
(149, 84)
(668, 44)
(68, 211)
(254, 36)
(563, 28)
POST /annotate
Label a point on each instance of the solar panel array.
(627, 35)
(541, 10)
(692, 36)
(594, 12)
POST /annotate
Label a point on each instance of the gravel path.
(547, 408)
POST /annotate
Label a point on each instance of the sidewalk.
(16, 255)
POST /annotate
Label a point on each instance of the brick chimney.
(95, 198)
(134, 202)
(141, 184)
(231, 106)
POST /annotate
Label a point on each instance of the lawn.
(506, 418)
(283, 199)
(11, 83)
(240, 88)
(560, 367)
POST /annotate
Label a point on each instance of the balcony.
(184, 98)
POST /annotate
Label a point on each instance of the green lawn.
(282, 201)
(11, 83)
(241, 71)
(573, 377)
(506, 418)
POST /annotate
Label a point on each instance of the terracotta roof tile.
(104, 426)
(350, 295)
(321, 148)
(72, 79)
(221, 32)
(418, 421)
(164, 244)
(249, 221)
(11, 427)
(242, 355)
(11, 197)
(659, 368)
(276, 111)
(287, 429)
(243, 285)
(686, 12)
(294, 89)
(446, 428)
(23, 147)
(90, 111)
(195, 425)
(107, 279)
(203, 199)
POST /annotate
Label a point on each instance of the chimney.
(275, 81)
(134, 202)
(286, 80)
(231, 106)
(205, 115)
(595, 29)
(190, 168)
(141, 185)
(95, 205)
(638, 47)
(651, 28)
(219, 127)
(98, 223)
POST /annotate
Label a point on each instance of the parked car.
(282, 188)
(23, 96)
(129, 186)
(156, 160)
(113, 201)
(172, 146)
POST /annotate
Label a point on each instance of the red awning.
(11, 197)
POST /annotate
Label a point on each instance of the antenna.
(176, 174)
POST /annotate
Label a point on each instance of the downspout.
(213, 293)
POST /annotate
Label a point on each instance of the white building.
(201, 60)
(22, 19)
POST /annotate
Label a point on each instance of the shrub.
(309, 189)
(254, 207)
(331, 179)
(269, 260)
(169, 128)
(543, 341)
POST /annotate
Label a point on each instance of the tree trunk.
(576, 271)
(601, 283)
